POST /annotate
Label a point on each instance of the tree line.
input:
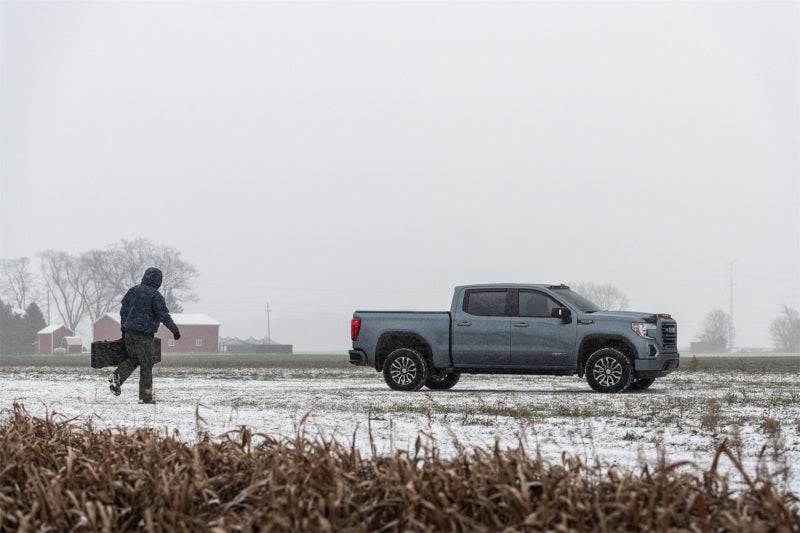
(717, 328)
(74, 287)
(19, 330)
(92, 283)
(784, 331)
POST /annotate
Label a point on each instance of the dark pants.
(140, 353)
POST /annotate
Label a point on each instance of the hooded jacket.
(143, 307)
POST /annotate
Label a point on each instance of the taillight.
(355, 325)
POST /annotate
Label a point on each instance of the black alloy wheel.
(405, 370)
(609, 370)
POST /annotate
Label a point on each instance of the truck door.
(539, 340)
(482, 329)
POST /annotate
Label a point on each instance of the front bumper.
(659, 367)
(358, 358)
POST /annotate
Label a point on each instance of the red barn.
(106, 328)
(52, 337)
(199, 333)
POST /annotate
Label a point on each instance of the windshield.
(572, 297)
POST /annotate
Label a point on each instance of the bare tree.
(102, 289)
(605, 295)
(717, 329)
(133, 257)
(178, 277)
(94, 283)
(65, 282)
(785, 330)
(16, 280)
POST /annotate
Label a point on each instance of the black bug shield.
(112, 353)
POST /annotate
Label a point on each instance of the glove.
(176, 335)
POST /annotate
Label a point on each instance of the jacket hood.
(152, 277)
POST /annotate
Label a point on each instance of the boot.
(114, 384)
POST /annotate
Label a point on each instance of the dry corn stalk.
(65, 475)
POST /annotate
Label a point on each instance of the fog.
(327, 157)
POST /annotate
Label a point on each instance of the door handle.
(521, 325)
(464, 323)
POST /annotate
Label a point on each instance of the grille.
(669, 335)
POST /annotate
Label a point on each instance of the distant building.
(50, 338)
(199, 333)
(713, 346)
(72, 344)
(106, 328)
(254, 346)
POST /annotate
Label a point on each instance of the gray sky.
(324, 157)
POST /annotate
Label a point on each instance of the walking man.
(143, 309)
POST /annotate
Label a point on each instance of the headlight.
(643, 329)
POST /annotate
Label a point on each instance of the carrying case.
(112, 353)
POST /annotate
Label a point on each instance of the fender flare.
(591, 343)
(389, 341)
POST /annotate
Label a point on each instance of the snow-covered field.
(683, 417)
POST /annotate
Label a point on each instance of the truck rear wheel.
(442, 381)
(608, 370)
(405, 369)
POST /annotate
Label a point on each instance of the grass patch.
(743, 364)
(67, 476)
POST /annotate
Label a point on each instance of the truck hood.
(619, 315)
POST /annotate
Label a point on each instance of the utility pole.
(730, 313)
(269, 334)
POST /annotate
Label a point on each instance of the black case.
(112, 353)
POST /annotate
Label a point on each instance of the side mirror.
(563, 313)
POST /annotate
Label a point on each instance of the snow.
(181, 319)
(683, 417)
(189, 319)
(49, 329)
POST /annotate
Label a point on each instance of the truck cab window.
(485, 303)
(535, 304)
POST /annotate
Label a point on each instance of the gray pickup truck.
(516, 329)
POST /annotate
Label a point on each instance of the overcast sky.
(327, 157)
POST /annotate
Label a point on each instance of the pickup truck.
(516, 329)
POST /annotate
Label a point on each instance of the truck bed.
(431, 327)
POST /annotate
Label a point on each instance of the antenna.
(269, 333)
(730, 312)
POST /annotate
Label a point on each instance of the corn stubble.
(64, 475)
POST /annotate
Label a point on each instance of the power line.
(269, 333)
(730, 316)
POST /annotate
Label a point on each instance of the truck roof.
(513, 286)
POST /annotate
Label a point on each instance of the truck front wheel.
(608, 370)
(442, 381)
(405, 369)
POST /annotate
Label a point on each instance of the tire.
(405, 369)
(641, 384)
(608, 370)
(443, 381)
